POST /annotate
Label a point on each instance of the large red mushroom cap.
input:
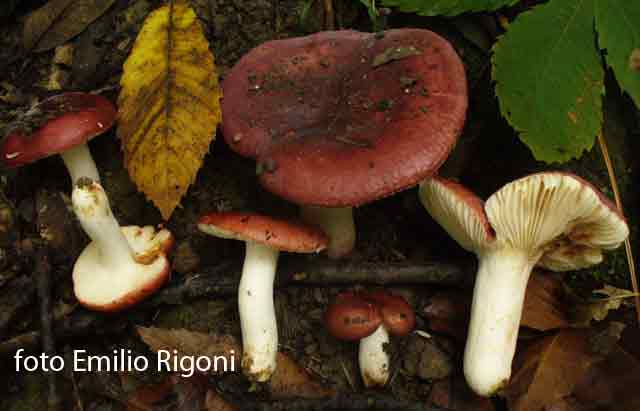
(342, 118)
(279, 234)
(55, 125)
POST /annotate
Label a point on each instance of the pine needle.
(627, 243)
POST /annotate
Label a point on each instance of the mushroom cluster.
(554, 220)
(338, 119)
(370, 318)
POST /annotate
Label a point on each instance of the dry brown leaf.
(544, 307)
(59, 20)
(291, 381)
(288, 381)
(454, 394)
(598, 309)
(214, 402)
(548, 371)
(612, 384)
(544, 303)
(169, 106)
(190, 344)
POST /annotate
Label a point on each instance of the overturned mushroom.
(552, 219)
(61, 124)
(264, 238)
(341, 118)
(370, 318)
(122, 265)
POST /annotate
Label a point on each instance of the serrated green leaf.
(618, 26)
(447, 7)
(549, 79)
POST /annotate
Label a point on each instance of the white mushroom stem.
(257, 312)
(91, 206)
(498, 298)
(373, 358)
(337, 223)
(80, 163)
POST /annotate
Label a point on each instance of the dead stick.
(42, 272)
(223, 281)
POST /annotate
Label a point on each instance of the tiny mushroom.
(338, 119)
(264, 238)
(554, 220)
(122, 265)
(370, 318)
(61, 124)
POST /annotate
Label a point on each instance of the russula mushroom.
(370, 318)
(338, 119)
(122, 265)
(61, 124)
(554, 220)
(264, 238)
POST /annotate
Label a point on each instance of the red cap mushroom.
(61, 124)
(555, 220)
(341, 118)
(122, 265)
(370, 318)
(264, 237)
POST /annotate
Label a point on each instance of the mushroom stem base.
(498, 298)
(337, 223)
(373, 358)
(257, 312)
(80, 163)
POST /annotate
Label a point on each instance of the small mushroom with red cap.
(554, 220)
(370, 318)
(61, 124)
(339, 119)
(264, 238)
(122, 265)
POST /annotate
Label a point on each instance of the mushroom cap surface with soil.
(264, 238)
(341, 118)
(122, 265)
(61, 124)
(370, 318)
(551, 219)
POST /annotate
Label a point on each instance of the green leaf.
(447, 7)
(618, 25)
(549, 79)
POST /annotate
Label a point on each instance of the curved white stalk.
(337, 223)
(80, 163)
(257, 312)
(91, 206)
(373, 358)
(498, 298)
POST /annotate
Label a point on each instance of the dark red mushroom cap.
(342, 118)
(397, 315)
(284, 235)
(351, 317)
(57, 124)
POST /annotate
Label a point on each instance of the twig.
(343, 402)
(42, 273)
(223, 281)
(627, 243)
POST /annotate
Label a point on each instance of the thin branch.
(627, 242)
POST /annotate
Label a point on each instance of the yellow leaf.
(169, 105)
